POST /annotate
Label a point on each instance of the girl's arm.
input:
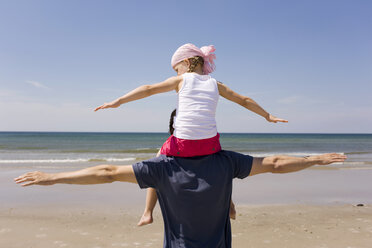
(246, 102)
(172, 83)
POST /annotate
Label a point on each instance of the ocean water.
(21, 150)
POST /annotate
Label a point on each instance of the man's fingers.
(336, 157)
(24, 179)
(21, 180)
(340, 159)
(28, 184)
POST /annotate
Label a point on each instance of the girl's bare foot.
(145, 219)
(232, 212)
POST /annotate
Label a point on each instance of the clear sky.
(306, 61)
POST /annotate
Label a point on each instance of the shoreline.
(315, 186)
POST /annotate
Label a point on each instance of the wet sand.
(256, 226)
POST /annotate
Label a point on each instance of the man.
(194, 193)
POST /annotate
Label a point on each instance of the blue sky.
(306, 61)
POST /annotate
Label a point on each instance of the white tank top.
(196, 111)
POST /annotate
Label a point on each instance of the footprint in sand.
(119, 244)
(322, 246)
(60, 243)
(353, 230)
(5, 230)
(40, 235)
(80, 232)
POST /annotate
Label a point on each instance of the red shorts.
(190, 148)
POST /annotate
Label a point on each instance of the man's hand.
(328, 158)
(271, 118)
(113, 104)
(35, 178)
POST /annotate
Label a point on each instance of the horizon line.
(167, 132)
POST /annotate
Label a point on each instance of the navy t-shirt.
(194, 196)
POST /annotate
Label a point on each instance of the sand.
(256, 226)
(318, 209)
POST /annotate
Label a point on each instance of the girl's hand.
(271, 118)
(114, 104)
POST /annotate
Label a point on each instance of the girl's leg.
(232, 210)
(151, 199)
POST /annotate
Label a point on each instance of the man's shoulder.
(221, 154)
(233, 154)
(158, 159)
(241, 163)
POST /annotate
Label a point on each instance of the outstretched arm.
(143, 91)
(286, 164)
(92, 175)
(246, 102)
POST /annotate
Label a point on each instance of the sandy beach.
(312, 208)
(256, 226)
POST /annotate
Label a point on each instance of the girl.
(195, 132)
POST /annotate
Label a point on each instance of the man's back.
(194, 195)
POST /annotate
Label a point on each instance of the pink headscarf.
(189, 50)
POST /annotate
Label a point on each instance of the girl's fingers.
(282, 120)
(100, 107)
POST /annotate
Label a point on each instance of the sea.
(340, 183)
(61, 150)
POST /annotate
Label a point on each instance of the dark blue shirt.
(194, 196)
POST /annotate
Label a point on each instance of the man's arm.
(286, 164)
(143, 91)
(246, 102)
(92, 175)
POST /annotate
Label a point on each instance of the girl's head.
(188, 58)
